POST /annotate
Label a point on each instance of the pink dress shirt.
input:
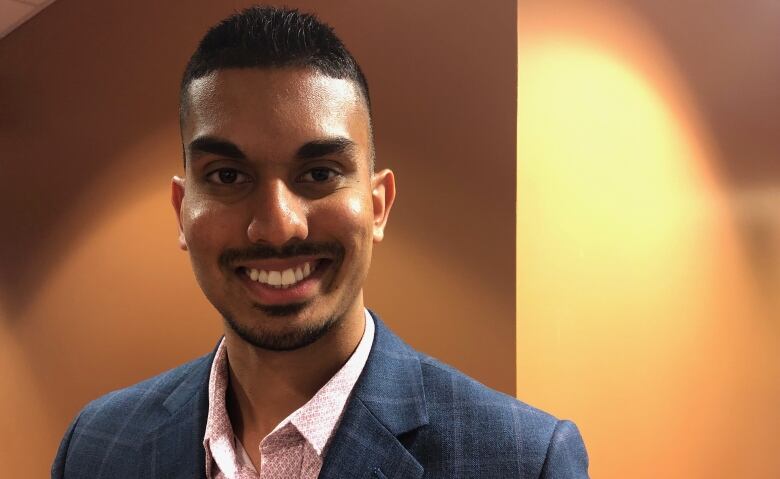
(296, 447)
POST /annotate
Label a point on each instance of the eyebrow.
(215, 146)
(314, 149)
(338, 145)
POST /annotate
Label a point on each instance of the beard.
(286, 341)
(265, 338)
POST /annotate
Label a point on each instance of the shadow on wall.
(733, 76)
(757, 213)
(61, 129)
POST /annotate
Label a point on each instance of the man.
(279, 209)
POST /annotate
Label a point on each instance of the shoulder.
(450, 392)
(110, 432)
(469, 419)
(446, 383)
(147, 398)
(452, 399)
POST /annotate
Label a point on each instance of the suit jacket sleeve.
(566, 455)
(58, 467)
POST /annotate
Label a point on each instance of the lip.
(300, 292)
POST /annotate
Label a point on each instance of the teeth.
(280, 279)
(288, 277)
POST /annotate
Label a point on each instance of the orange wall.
(94, 294)
(648, 231)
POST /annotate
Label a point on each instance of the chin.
(288, 337)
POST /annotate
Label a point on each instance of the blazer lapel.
(388, 401)
(175, 448)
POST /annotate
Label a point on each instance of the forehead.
(283, 107)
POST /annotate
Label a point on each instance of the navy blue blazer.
(409, 417)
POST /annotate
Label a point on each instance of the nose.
(279, 215)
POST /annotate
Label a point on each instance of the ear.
(177, 195)
(382, 196)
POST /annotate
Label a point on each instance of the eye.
(318, 175)
(227, 176)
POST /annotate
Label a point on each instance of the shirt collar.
(316, 420)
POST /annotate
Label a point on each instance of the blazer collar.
(388, 401)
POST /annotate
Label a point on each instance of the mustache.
(231, 256)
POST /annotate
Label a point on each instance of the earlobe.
(177, 196)
(383, 196)
(182, 241)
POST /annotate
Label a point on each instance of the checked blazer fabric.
(409, 417)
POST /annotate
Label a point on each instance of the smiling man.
(279, 209)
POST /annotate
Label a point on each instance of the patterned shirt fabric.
(295, 449)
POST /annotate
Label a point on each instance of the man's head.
(279, 206)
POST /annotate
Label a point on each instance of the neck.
(267, 386)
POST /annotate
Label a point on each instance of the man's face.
(278, 207)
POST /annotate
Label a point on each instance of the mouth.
(274, 282)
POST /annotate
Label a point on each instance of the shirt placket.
(281, 454)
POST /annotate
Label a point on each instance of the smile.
(281, 279)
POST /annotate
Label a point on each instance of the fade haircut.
(271, 37)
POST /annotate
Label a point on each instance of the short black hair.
(272, 37)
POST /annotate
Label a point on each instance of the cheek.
(207, 227)
(348, 218)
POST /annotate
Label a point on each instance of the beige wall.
(648, 231)
(94, 294)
